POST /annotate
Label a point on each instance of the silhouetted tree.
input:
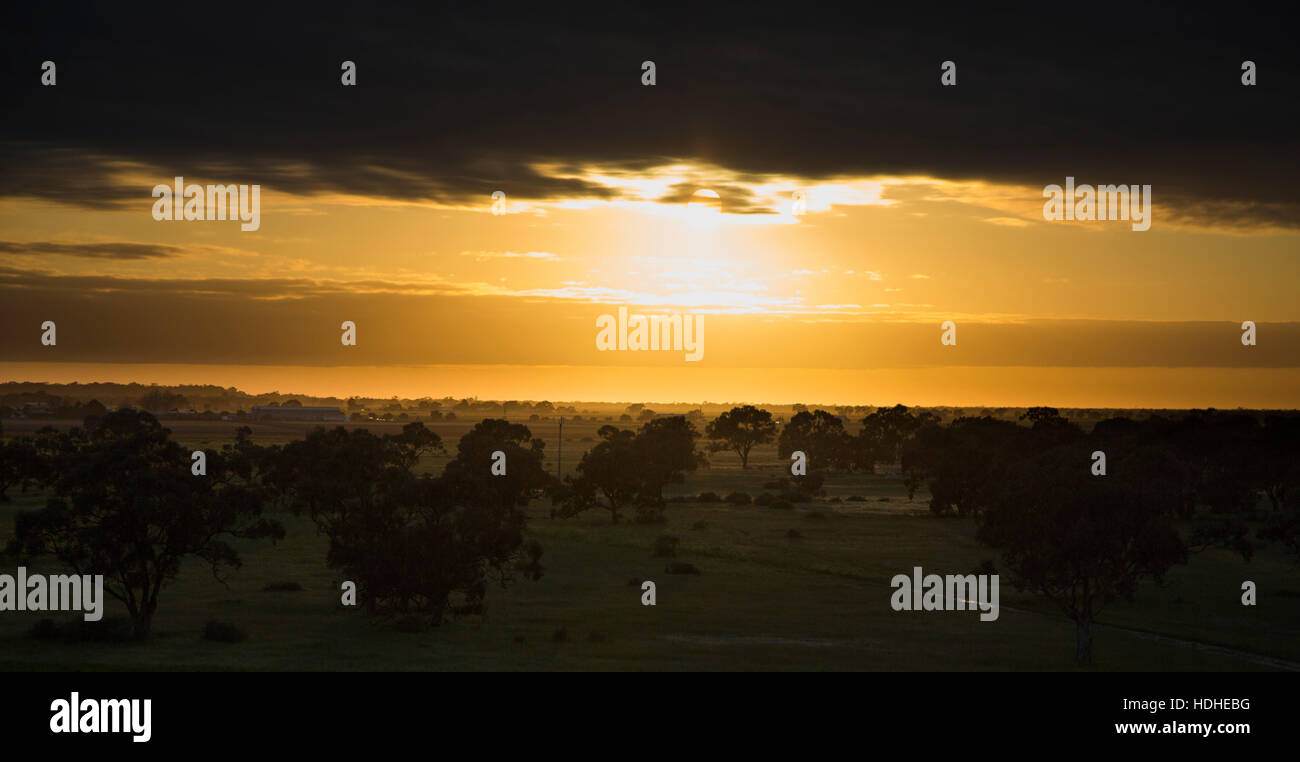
(885, 431)
(964, 463)
(609, 471)
(626, 468)
(1076, 539)
(419, 543)
(739, 429)
(127, 506)
(819, 435)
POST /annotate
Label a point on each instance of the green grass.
(762, 601)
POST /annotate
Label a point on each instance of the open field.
(763, 600)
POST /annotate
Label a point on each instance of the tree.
(608, 470)
(739, 429)
(627, 468)
(819, 435)
(885, 431)
(127, 506)
(21, 465)
(419, 543)
(666, 448)
(1078, 540)
(964, 464)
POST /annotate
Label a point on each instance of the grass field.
(764, 600)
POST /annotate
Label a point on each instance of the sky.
(922, 204)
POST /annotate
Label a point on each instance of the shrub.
(708, 497)
(884, 500)
(815, 516)
(666, 546)
(764, 499)
(223, 632)
(794, 534)
(776, 484)
(739, 498)
(700, 525)
(680, 567)
(857, 499)
(835, 500)
(783, 505)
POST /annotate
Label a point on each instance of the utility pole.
(559, 452)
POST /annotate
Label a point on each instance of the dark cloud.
(114, 250)
(457, 100)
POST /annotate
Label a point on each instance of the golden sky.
(839, 304)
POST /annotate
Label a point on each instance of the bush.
(884, 500)
(783, 505)
(793, 534)
(776, 484)
(857, 499)
(764, 499)
(680, 567)
(666, 546)
(835, 500)
(708, 497)
(224, 632)
(282, 587)
(815, 516)
(739, 498)
(700, 525)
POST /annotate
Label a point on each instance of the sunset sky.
(924, 204)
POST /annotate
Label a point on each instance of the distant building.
(275, 413)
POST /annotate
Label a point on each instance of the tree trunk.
(142, 624)
(1083, 646)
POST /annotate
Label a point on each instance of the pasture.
(800, 588)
